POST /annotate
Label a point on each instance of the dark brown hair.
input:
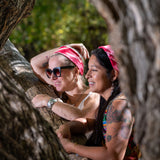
(97, 138)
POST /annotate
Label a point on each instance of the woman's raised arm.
(40, 62)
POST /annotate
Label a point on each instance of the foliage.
(54, 23)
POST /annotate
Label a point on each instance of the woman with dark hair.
(112, 128)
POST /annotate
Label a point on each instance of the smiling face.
(97, 76)
(67, 80)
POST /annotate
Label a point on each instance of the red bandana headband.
(72, 55)
(110, 54)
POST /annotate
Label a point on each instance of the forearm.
(95, 153)
(67, 111)
(41, 60)
(81, 125)
(71, 128)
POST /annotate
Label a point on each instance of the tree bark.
(134, 33)
(15, 69)
(11, 13)
(24, 133)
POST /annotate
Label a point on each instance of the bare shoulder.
(119, 111)
(120, 102)
(91, 105)
(119, 119)
(94, 95)
(93, 98)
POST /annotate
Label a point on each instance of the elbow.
(117, 155)
(32, 62)
(111, 154)
(76, 116)
(35, 67)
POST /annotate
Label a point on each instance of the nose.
(87, 74)
(53, 77)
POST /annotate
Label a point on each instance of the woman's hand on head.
(40, 100)
(81, 49)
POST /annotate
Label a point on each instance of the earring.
(112, 87)
(75, 79)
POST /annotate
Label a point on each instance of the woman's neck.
(76, 93)
(107, 93)
(75, 99)
(77, 89)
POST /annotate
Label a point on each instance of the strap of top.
(81, 105)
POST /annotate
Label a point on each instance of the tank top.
(81, 105)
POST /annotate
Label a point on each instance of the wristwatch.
(51, 102)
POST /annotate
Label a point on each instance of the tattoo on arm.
(45, 64)
(118, 116)
(113, 115)
(108, 137)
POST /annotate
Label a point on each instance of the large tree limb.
(16, 69)
(12, 12)
(24, 134)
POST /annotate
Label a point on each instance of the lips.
(91, 84)
(57, 84)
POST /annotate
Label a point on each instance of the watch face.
(51, 102)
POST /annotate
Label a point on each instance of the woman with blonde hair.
(63, 68)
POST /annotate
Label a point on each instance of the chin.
(59, 89)
(91, 89)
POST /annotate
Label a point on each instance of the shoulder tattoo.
(119, 116)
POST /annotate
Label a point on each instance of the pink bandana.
(110, 54)
(72, 55)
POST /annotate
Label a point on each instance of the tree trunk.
(16, 66)
(24, 134)
(15, 69)
(134, 33)
(11, 13)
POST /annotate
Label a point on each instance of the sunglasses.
(56, 71)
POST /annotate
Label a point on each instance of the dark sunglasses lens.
(56, 72)
(48, 73)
